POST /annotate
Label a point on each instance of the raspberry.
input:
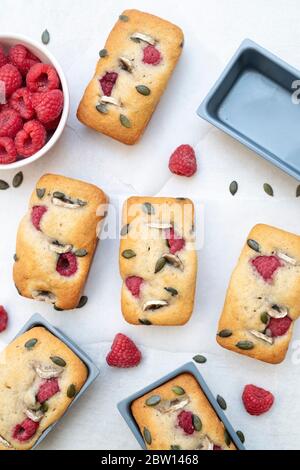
(3, 319)
(123, 353)
(10, 123)
(22, 58)
(11, 77)
(67, 264)
(3, 58)
(174, 241)
(183, 161)
(107, 82)
(151, 55)
(185, 421)
(31, 138)
(134, 283)
(52, 125)
(47, 389)
(8, 153)
(279, 326)
(257, 400)
(217, 447)
(37, 214)
(24, 431)
(48, 105)
(20, 101)
(266, 266)
(42, 77)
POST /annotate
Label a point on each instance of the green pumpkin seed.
(147, 436)
(197, 423)
(83, 301)
(225, 333)
(143, 90)
(253, 245)
(3, 185)
(178, 390)
(245, 345)
(222, 403)
(175, 447)
(268, 189)
(128, 254)
(30, 343)
(154, 400)
(16, 257)
(18, 179)
(199, 359)
(135, 39)
(172, 291)
(124, 18)
(102, 108)
(125, 230)
(233, 188)
(241, 436)
(148, 208)
(298, 191)
(125, 121)
(144, 321)
(103, 53)
(264, 318)
(161, 262)
(58, 361)
(227, 438)
(80, 253)
(71, 392)
(40, 192)
(44, 407)
(46, 37)
(59, 195)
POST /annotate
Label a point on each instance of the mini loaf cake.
(158, 261)
(139, 57)
(39, 378)
(263, 298)
(57, 239)
(178, 416)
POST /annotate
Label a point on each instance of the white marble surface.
(213, 30)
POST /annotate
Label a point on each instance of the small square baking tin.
(254, 102)
(93, 371)
(124, 406)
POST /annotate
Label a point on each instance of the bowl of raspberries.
(34, 101)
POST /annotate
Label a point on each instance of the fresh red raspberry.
(217, 447)
(20, 101)
(24, 431)
(266, 266)
(183, 161)
(47, 389)
(174, 241)
(52, 125)
(185, 421)
(3, 319)
(3, 58)
(279, 326)
(36, 215)
(107, 82)
(123, 353)
(22, 58)
(11, 77)
(257, 400)
(67, 264)
(10, 123)
(42, 77)
(151, 55)
(134, 283)
(48, 105)
(8, 153)
(31, 138)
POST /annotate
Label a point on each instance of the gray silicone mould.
(124, 406)
(252, 102)
(93, 371)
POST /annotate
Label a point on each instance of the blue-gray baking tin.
(252, 102)
(93, 371)
(124, 406)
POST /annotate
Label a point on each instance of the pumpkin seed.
(30, 343)
(245, 345)
(44, 407)
(83, 301)
(178, 390)
(148, 208)
(103, 53)
(16, 257)
(144, 321)
(102, 108)
(197, 423)
(80, 253)
(233, 187)
(124, 230)
(161, 262)
(147, 436)
(172, 291)
(227, 438)
(71, 392)
(46, 37)
(298, 191)
(128, 254)
(175, 447)
(222, 403)
(199, 359)
(225, 333)
(143, 90)
(58, 361)
(268, 189)
(253, 245)
(153, 400)
(40, 192)
(124, 18)
(3, 185)
(241, 436)
(125, 121)
(154, 304)
(18, 179)
(264, 318)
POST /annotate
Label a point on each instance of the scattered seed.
(147, 436)
(18, 179)
(264, 318)
(225, 333)
(148, 208)
(124, 18)
(103, 53)
(161, 262)
(172, 291)
(80, 253)
(128, 254)
(222, 403)
(16, 258)
(154, 400)
(227, 438)
(46, 37)
(298, 191)
(125, 121)
(268, 189)
(30, 343)
(144, 321)
(197, 423)
(245, 345)
(178, 390)
(83, 301)
(71, 392)
(3, 185)
(241, 436)
(233, 188)
(143, 90)
(124, 230)
(58, 361)
(102, 108)
(44, 407)
(253, 245)
(199, 359)
(40, 192)
(175, 447)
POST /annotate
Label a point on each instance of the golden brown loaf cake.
(158, 261)
(39, 378)
(57, 239)
(132, 73)
(178, 416)
(263, 298)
